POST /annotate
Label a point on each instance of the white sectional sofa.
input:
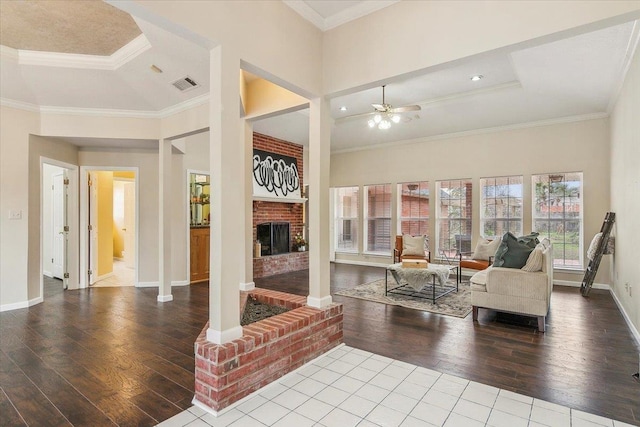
(514, 290)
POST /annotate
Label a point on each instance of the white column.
(164, 221)
(227, 197)
(247, 283)
(319, 157)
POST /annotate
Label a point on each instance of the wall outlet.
(15, 214)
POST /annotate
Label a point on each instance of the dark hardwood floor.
(115, 356)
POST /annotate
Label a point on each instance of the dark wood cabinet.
(199, 254)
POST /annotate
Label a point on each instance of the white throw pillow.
(413, 245)
(535, 260)
(486, 248)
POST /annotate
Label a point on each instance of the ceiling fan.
(384, 114)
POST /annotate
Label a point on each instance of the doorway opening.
(199, 193)
(110, 220)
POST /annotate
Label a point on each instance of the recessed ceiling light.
(343, 108)
(156, 69)
(477, 77)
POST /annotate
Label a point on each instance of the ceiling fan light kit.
(384, 115)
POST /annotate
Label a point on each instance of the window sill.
(378, 254)
(576, 271)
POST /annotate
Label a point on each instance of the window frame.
(468, 218)
(338, 206)
(366, 218)
(508, 219)
(422, 186)
(560, 251)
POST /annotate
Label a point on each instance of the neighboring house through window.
(557, 214)
(346, 219)
(500, 206)
(413, 208)
(377, 222)
(453, 216)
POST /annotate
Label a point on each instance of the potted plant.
(299, 244)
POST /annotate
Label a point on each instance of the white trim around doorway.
(84, 196)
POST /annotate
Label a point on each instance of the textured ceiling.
(89, 27)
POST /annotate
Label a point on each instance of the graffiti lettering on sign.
(275, 175)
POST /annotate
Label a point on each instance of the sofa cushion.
(485, 249)
(478, 281)
(535, 260)
(514, 251)
(413, 245)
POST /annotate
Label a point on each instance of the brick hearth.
(268, 349)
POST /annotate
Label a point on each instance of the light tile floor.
(122, 276)
(349, 387)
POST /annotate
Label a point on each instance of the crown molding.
(105, 112)
(8, 53)
(358, 11)
(354, 12)
(19, 105)
(632, 46)
(495, 129)
(306, 12)
(89, 62)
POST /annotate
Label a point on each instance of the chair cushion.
(474, 264)
(413, 245)
(485, 249)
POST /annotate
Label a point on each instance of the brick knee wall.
(278, 264)
(268, 349)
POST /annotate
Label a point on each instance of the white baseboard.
(632, 327)
(104, 276)
(48, 274)
(248, 286)
(156, 284)
(365, 263)
(574, 284)
(21, 304)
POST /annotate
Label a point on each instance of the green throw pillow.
(514, 251)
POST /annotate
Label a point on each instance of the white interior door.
(58, 214)
(93, 228)
(129, 224)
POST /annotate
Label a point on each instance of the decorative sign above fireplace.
(275, 177)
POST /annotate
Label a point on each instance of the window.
(453, 216)
(500, 206)
(557, 214)
(346, 219)
(378, 219)
(413, 208)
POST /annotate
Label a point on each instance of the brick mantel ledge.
(268, 349)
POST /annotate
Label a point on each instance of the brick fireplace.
(267, 211)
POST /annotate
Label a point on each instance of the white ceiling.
(574, 77)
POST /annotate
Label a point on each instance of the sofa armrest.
(519, 283)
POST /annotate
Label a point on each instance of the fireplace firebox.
(274, 238)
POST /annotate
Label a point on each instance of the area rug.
(457, 304)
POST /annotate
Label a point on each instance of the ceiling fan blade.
(406, 108)
(379, 107)
(354, 117)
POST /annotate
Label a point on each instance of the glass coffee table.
(430, 283)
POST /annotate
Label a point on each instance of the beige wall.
(63, 152)
(625, 192)
(147, 163)
(578, 146)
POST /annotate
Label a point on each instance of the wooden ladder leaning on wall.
(592, 268)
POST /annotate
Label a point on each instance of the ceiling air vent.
(184, 84)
